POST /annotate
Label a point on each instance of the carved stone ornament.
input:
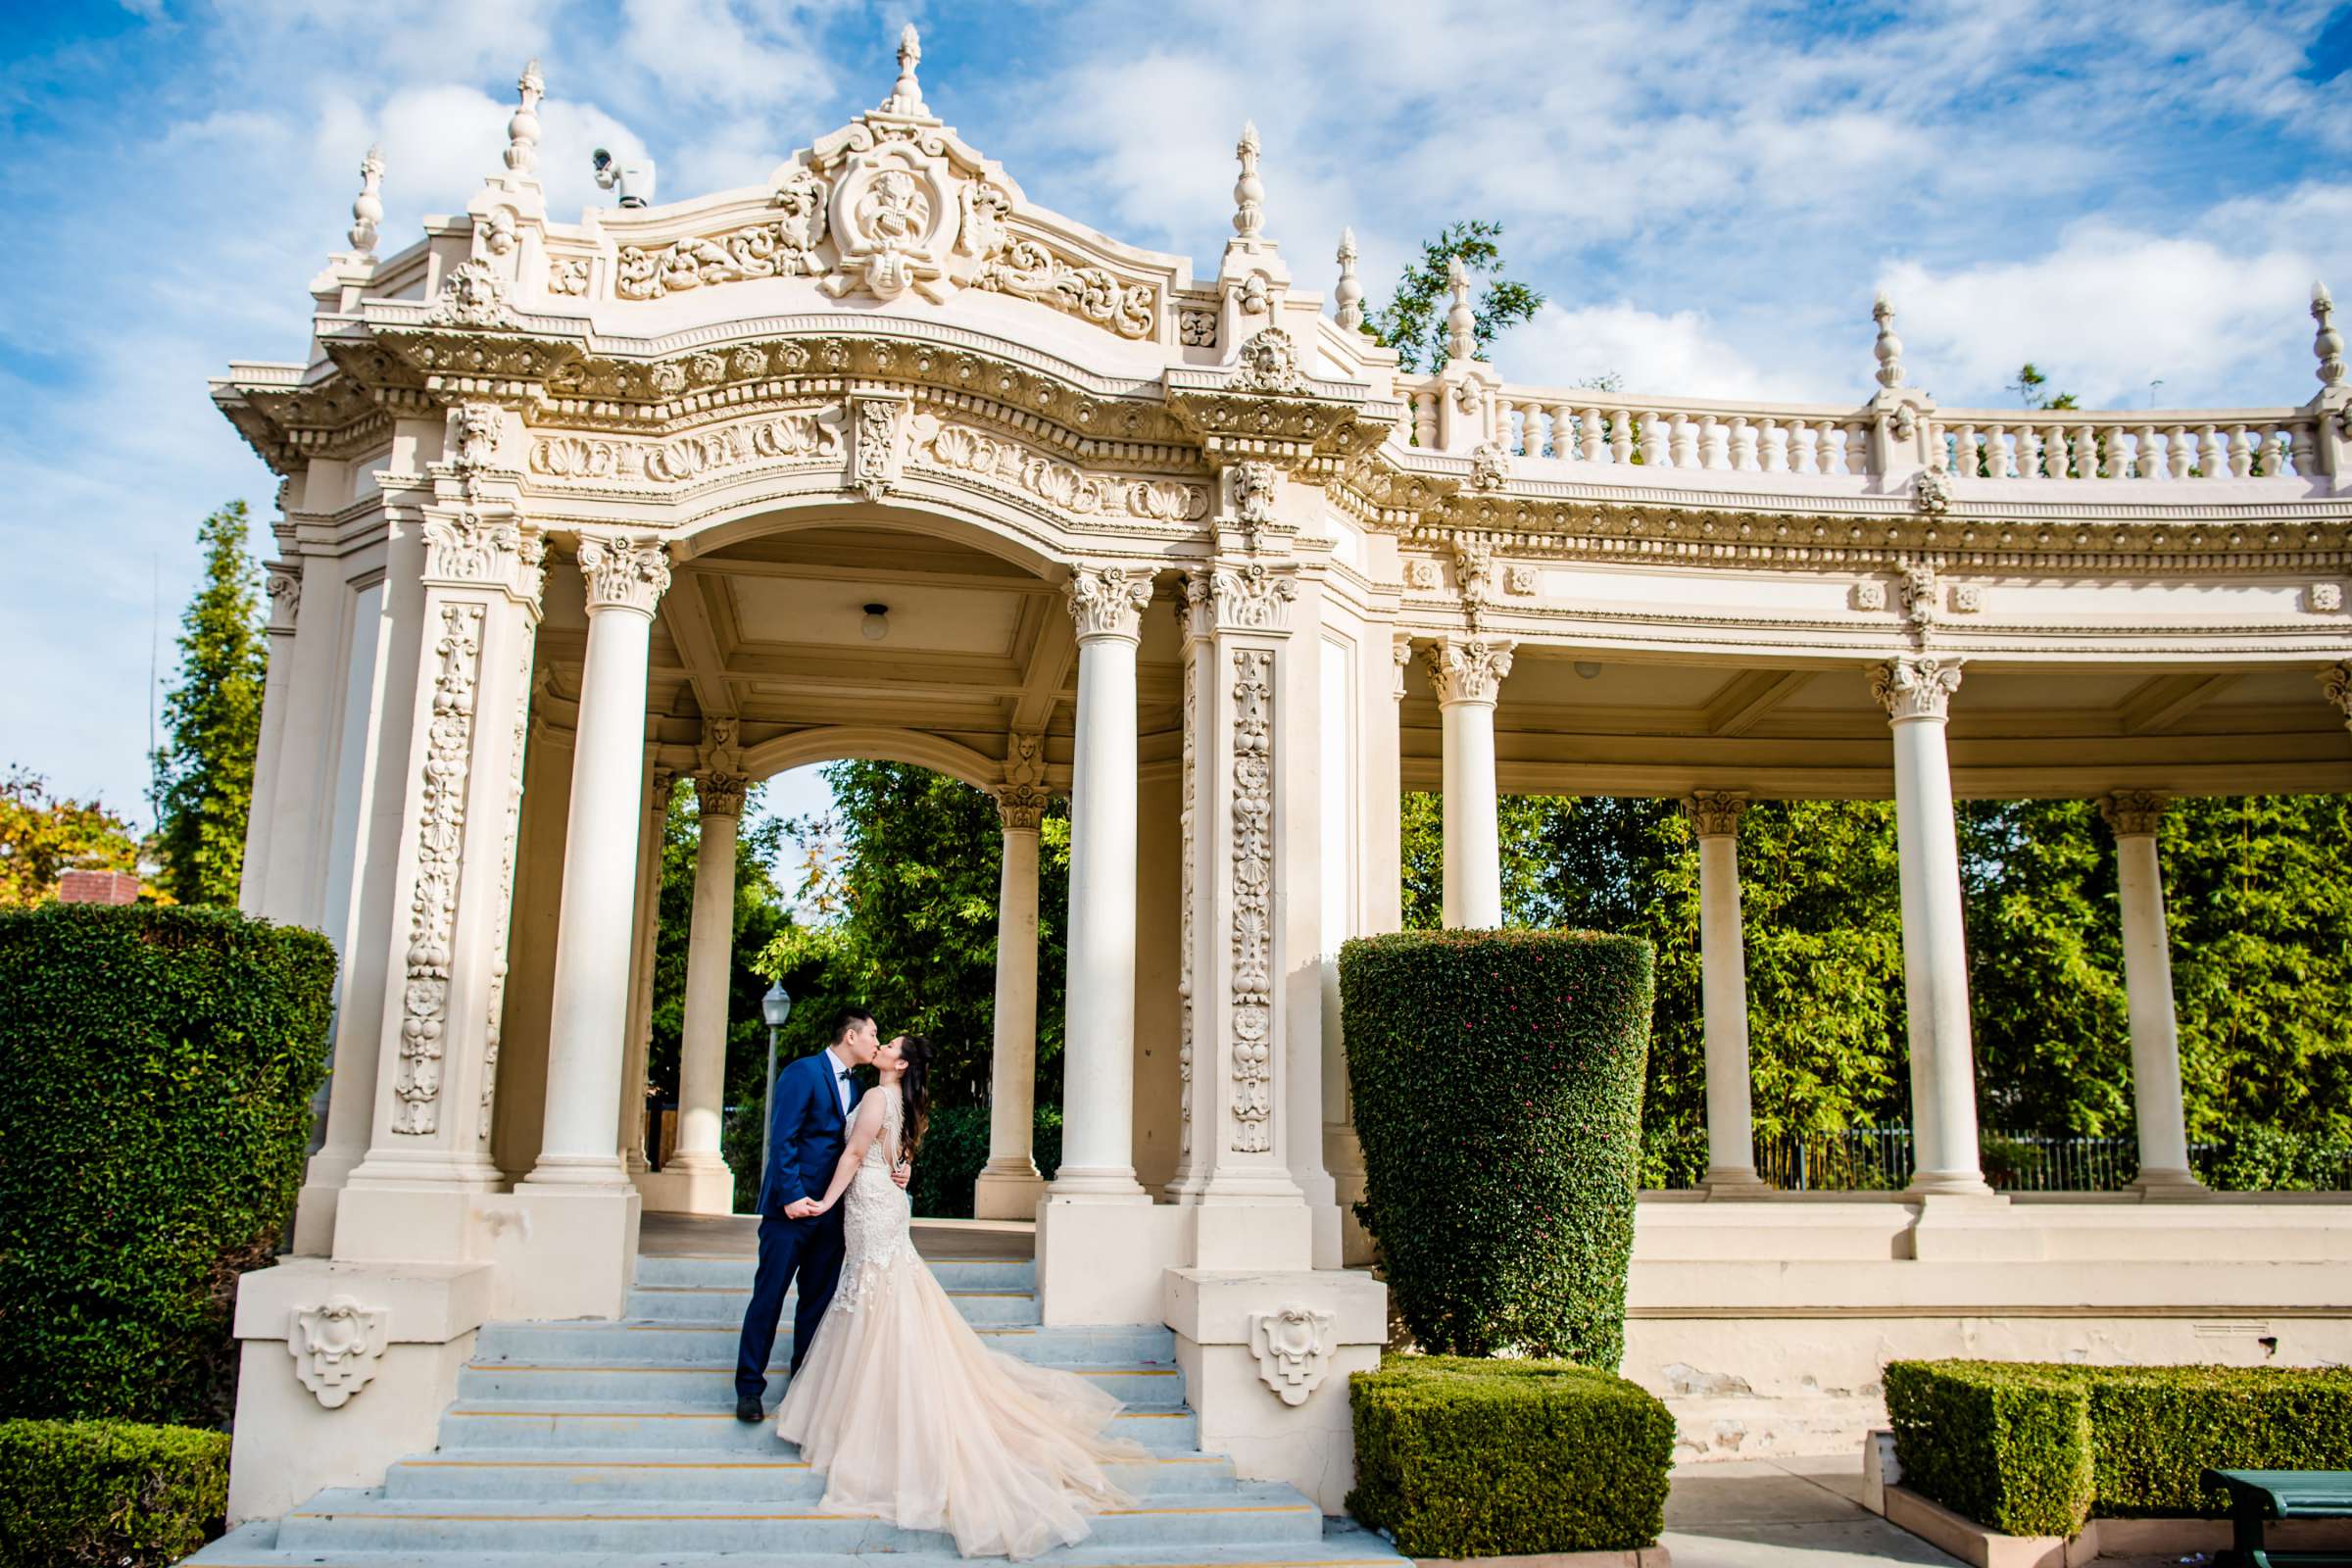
(440, 845)
(2325, 598)
(1519, 581)
(470, 548)
(1968, 598)
(336, 1347)
(473, 427)
(567, 274)
(1918, 596)
(1423, 576)
(807, 435)
(1292, 1349)
(1196, 328)
(960, 449)
(473, 295)
(1021, 799)
(1252, 497)
(720, 794)
(2133, 814)
(1250, 598)
(625, 573)
(494, 1009)
(1252, 900)
(1474, 577)
(1269, 363)
(1489, 466)
(1713, 813)
(879, 447)
(1912, 687)
(284, 588)
(1403, 649)
(1931, 492)
(1187, 829)
(2336, 681)
(1470, 670)
(1111, 601)
(1870, 595)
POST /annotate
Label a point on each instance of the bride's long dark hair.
(914, 1090)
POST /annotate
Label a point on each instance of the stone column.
(1723, 966)
(696, 1180)
(1468, 674)
(2135, 817)
(1099, 1052)
(1917, 694)
(635, 1122)
(285, 578)
(579, 1189)
(1009, 1186)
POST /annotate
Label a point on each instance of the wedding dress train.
(910, 1417)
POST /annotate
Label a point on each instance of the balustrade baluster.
(1685, 442)
(1857, 448)
(2028, 452)
(2086, 454)
(1831, 437)
(1963, 459)
(1425, 419)
(2241, 452)
(1621, 433)
(1774, 439)
(1743, 445)
(2053, 451)
(2147, 454)
(1714, 443)
(1588, 434)
(2185, 453)
(1655, 443)
(2215, 459)
(1563, 434)
(1804, 456)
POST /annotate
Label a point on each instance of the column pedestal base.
(574, 1249)
(323, 1182)
(1012, 1193)
(1970, 1227)
(688, 1185)
(289, 1444)
(1100, 1259)
(2170, 1187)
(1309, 1443)
(1735, 1181)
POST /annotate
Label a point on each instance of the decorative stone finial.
(1461, 324)
(906, 94)
(368, 208)
(1349, 295)
(1890, 347)
(2329, 345)
(523, 131)
(1248, 195)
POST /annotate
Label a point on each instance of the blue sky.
(1708, 192)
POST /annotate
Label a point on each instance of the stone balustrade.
(2158, 444)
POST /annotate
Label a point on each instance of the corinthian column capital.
(1714, 814)
(2133, 814)
(720, 794)
(625, 573)
(1468, 669)
(2337, 681)
(1914, 687)
(1110, 601)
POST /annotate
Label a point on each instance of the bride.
(902, 1408)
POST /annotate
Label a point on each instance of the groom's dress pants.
(810, 1249)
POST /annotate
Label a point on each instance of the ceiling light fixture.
(1587, 669)
(876, 624)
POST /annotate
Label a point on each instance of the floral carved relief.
(495, 1023)
(1252, 900)
(433, 904)
(965, 450)
(811, 435)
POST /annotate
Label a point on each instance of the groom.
(805, 1133)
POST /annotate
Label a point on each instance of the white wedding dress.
(910, 1417)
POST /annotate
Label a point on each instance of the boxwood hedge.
(107, 1494)
(156, 1068)
(1468, 1459)
(2033, 1449)
(1497, 1085)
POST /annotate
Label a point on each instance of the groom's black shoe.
(748, 1411)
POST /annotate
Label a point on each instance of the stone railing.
(1584, 426)
(2159, 444)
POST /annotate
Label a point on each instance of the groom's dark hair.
(847, 1019)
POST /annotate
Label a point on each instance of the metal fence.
(1862, 1160)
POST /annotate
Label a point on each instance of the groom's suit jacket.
(806, 1134)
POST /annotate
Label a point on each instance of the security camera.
(633, 179)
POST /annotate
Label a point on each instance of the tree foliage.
(204, 772)
(43, 834)
(1413, 321)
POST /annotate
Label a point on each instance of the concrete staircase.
(593, 1444)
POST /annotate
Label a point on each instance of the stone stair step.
(714, 1343)
(1256, 1512)
(692, 1428)
(1160, 1387)
(666, 1474)
(712, 1303)
(735, 1273)
(254, 1546)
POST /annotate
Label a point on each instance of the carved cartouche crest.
(473, 295)
(1269, 363)
(1292, 1349)
(336, 1347)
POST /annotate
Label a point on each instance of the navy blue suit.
(805, 1138)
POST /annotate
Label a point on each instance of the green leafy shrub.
(2032, 1449)
(108, 1495)
(156, 1069)
(956, 1147)
(1497, 1084)
(1467, 1458)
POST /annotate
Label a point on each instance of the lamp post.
(775, 1008)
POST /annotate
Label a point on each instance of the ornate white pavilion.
(574, 509)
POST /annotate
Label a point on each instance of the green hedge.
(1458, 1457)
(1497, 1087)
(2034, 1449)
(156, 1070)
(108, 1495)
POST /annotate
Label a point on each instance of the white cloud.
(1677, 355)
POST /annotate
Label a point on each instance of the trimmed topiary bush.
(1467, 1458)
(2034, 1449)
(108, 1494)
(1497, 1087)
(156, 1070)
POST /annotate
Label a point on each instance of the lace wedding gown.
(910, 1417)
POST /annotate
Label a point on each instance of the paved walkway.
(1783, 1513)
